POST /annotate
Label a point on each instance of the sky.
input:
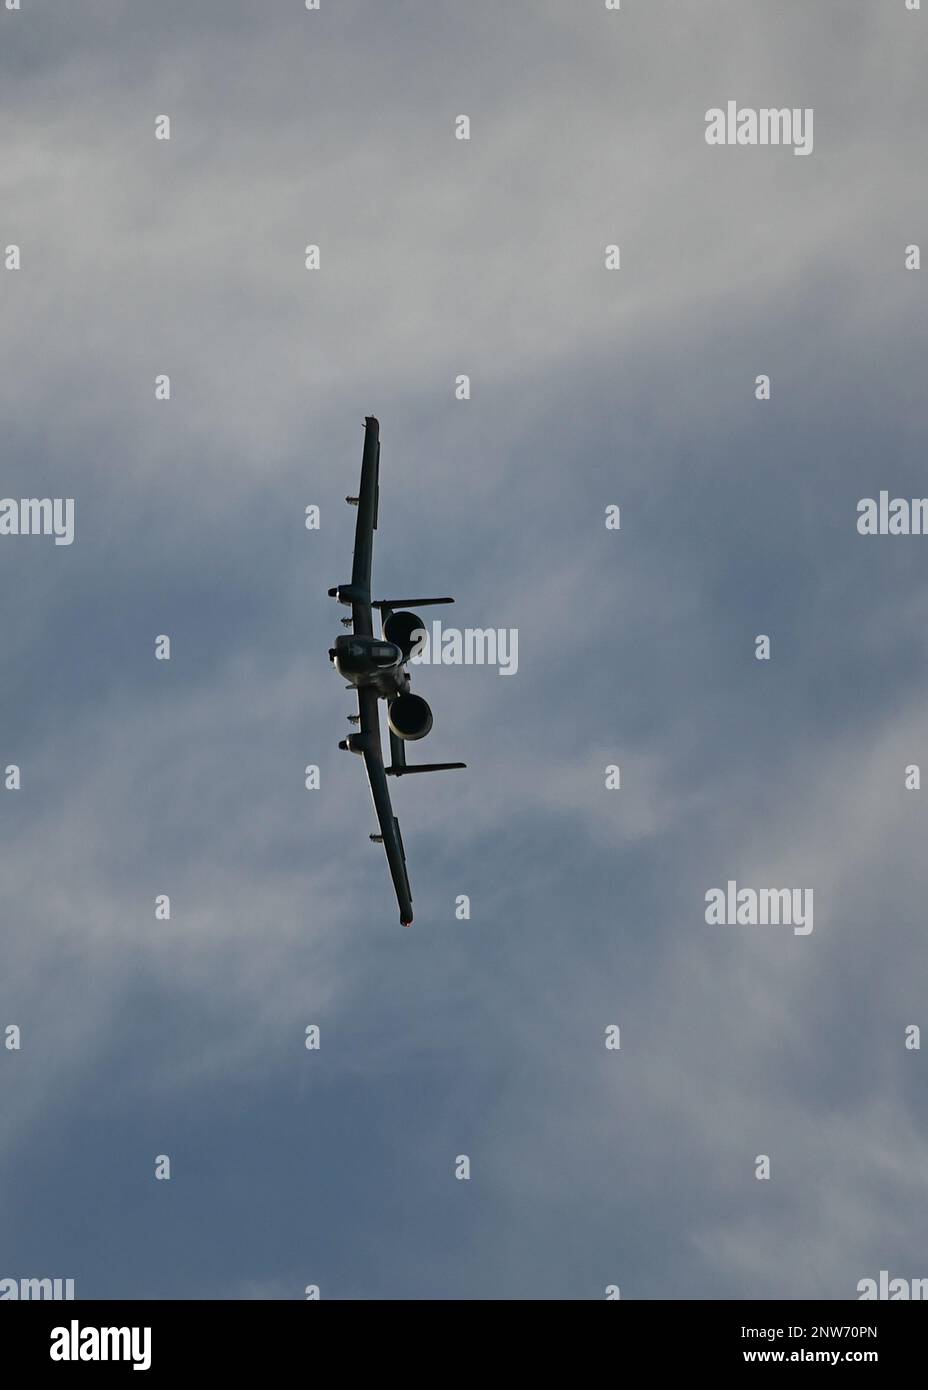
(590, 1168)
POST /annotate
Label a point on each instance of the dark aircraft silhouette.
(376, 669)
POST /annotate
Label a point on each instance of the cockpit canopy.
(385, 654)
(359, 654)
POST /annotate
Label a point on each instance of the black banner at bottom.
(66, 1338)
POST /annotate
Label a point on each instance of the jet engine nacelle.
(409, 715)
(399, 629)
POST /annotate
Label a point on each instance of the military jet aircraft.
(376, 668)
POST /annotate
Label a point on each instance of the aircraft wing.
(389, 825)
(368, 497)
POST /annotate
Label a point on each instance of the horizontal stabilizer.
(403, 768)
(408, 602)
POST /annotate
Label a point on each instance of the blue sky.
(636, 647)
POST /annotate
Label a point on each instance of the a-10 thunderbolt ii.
(376, 668)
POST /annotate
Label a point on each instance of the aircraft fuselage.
(371, 662)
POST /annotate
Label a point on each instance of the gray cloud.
(481, 1037)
